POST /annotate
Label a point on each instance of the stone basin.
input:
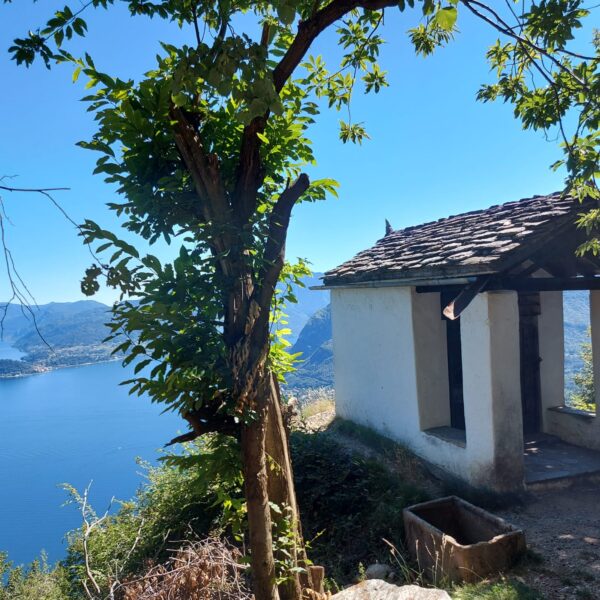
(453, 540)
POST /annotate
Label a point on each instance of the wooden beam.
(464, 298)
(521, 284)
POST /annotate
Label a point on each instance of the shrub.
(203, 570)
(583, 397)
(176, 503)
(35, 582)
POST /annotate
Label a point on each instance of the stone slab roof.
(473, 243)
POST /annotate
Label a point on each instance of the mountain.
(75, 331)
(55, 335)
(309, 302)
(63, 334)
(315, 344)
(61, 324)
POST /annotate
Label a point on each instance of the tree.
(583, 396)
(209, 149)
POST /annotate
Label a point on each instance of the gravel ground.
(563, 535)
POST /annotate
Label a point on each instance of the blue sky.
(434, 150)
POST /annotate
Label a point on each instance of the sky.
(433, 149)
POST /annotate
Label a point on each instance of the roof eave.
(402, 282)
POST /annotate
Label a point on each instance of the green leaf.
(179, 99)
(445, 18)
(286, 14)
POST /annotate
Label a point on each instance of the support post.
(552, 353)
(595, 330)
(492, 391)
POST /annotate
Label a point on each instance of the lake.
(72, 425)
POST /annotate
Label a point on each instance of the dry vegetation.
(203, 570)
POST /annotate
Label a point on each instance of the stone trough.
(453, 540)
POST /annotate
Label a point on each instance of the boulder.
(378, 571)
(377, 589)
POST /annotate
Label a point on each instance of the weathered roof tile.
(481, 241)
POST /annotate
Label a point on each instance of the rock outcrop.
(377, 589)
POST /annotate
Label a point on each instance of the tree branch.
(205, 172)
(19, 289)
(250, 170)
(309, 30)
(206, 420)
(38, 190)
(498, 23)
(274, 254)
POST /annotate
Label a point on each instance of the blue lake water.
(71, 425)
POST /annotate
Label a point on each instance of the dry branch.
(204, 570)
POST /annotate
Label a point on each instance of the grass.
(316, 407)
(356, 512)
(348, 504)
(313, 401)
(505, 589)
(398, 459)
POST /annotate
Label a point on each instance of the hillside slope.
(316, 345)
(75, 331)
(61, 334)
(61, 324)
(309, 302)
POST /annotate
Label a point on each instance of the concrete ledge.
(449, 434)
(573, 412)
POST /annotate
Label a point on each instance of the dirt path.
(563, 534)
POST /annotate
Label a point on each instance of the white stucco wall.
(391, 375)
(374, 361)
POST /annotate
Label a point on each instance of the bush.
(583, 396)
(35, 582)
(175, 504)
(348, 505)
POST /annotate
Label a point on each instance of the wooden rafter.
(522, 284)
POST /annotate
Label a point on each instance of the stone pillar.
(492, 391)
(552, 353)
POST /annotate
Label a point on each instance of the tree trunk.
(281, 486)
(259, 512)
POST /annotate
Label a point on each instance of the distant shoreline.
(41, 370)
